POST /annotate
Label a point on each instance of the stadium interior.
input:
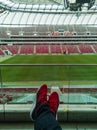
(52, 42)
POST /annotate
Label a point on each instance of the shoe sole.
(32, 110)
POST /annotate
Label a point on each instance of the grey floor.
(65, 126)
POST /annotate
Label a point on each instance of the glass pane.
(76, 84)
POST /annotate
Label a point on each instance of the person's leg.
(43, 112)
(53, 102)
(46, 121)
(41, 99)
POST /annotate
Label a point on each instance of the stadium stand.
(55, 49)
(42, 49)
(13, 48)
(3, 47)
(70, 49)
(1, 52)
(85, 48)
(27, 49)
(95, 47)
(48, 48)
(30, 27)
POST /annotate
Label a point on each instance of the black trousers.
(46, 120)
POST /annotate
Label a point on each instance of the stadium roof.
(42, 12)
(32, 6)
(51, 6)
(28, 19)
(47, 13)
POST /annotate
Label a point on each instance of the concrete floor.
(65, 126)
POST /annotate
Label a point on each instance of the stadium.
(52, 42)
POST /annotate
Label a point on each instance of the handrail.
(48, 64)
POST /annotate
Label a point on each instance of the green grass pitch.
(28, 74)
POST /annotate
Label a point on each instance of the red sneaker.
(53, 102)
(41, 99)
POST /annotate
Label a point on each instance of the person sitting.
(44, 110)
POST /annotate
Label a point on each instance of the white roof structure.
(28, 19)
(50, 14)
